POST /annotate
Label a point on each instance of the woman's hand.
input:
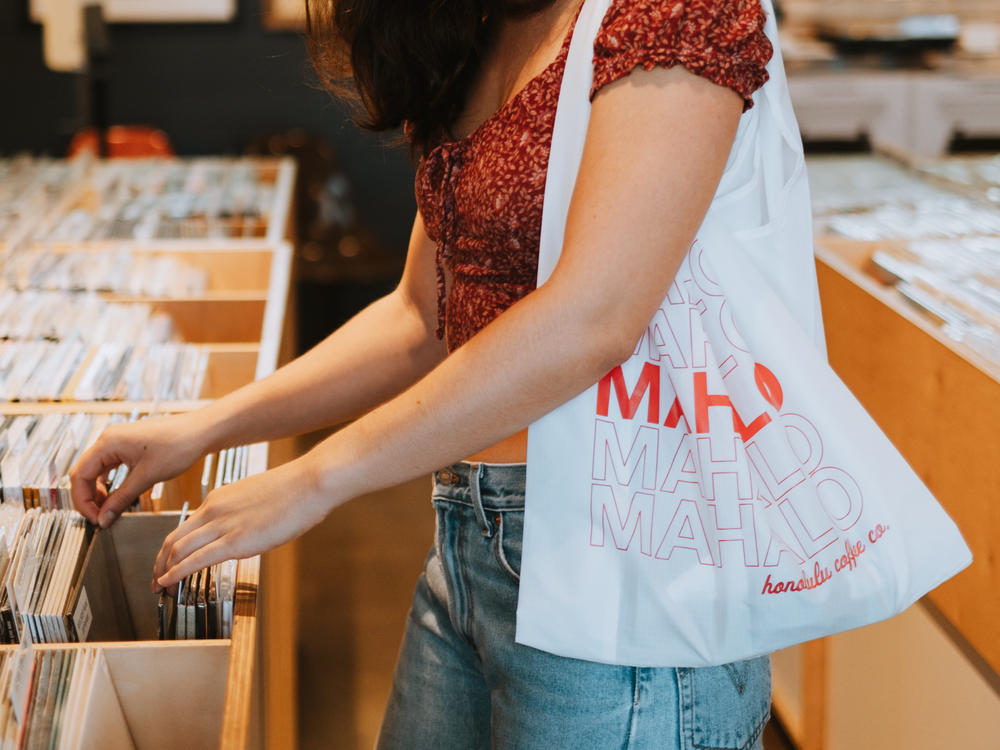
(244, 519)
(154, 450)
(378, 354)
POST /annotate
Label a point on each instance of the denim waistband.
(499, 486)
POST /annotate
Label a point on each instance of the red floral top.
(481, 197)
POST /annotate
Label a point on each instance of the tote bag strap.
(569, 133)
(781, 247)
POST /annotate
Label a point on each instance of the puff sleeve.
(721, 40)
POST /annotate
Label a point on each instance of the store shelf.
(238, 693)
(916, 112)
(169, 689)
(218, 317)
(80, 194)
(938, 401)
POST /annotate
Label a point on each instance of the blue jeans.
(461, 683)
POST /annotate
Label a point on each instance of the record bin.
(938, 401)
(240, 692)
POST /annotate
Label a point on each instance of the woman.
(466, 352)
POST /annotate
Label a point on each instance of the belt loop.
(475, 475)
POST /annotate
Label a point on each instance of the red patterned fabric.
(481, 197)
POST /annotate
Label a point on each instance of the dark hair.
(406, 61)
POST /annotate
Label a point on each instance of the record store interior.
(184, 209)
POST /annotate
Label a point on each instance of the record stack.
(60, 699)
(31, 190)
(203, 607)
(930, 230)
(168, 199)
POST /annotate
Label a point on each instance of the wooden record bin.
(237, 693)
(199, 692)
(79, 194)
(938, 401)
(240, 319)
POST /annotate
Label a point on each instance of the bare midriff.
(512, 450)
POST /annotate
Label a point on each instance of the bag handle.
(768, 137)
(573, 117)
(569, 133)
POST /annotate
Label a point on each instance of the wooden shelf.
(229, 265)
(939, 403)
(852, 260)
(189, 689)
(239, 693)
(223, 317)
(231, 309)
(16, 408)
(168, 690)
(200, 690)
(230, 366)
(281, 171)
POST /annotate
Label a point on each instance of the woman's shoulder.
(722, 40)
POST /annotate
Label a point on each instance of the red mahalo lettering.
(703, 400)
(649, 379)
(675, 415)
(768, 386)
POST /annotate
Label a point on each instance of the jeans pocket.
(725, 708)
(507, 542)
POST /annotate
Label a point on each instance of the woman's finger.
(194, 522)
(211, 554)
(87, 507)
(87, 478)
(191, 543)
(136, 482)
(88, 501)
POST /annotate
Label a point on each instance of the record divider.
(238, 693)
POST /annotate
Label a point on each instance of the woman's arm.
(656, 148)
(380, 352)
(383, 350)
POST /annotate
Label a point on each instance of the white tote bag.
(721, 494)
